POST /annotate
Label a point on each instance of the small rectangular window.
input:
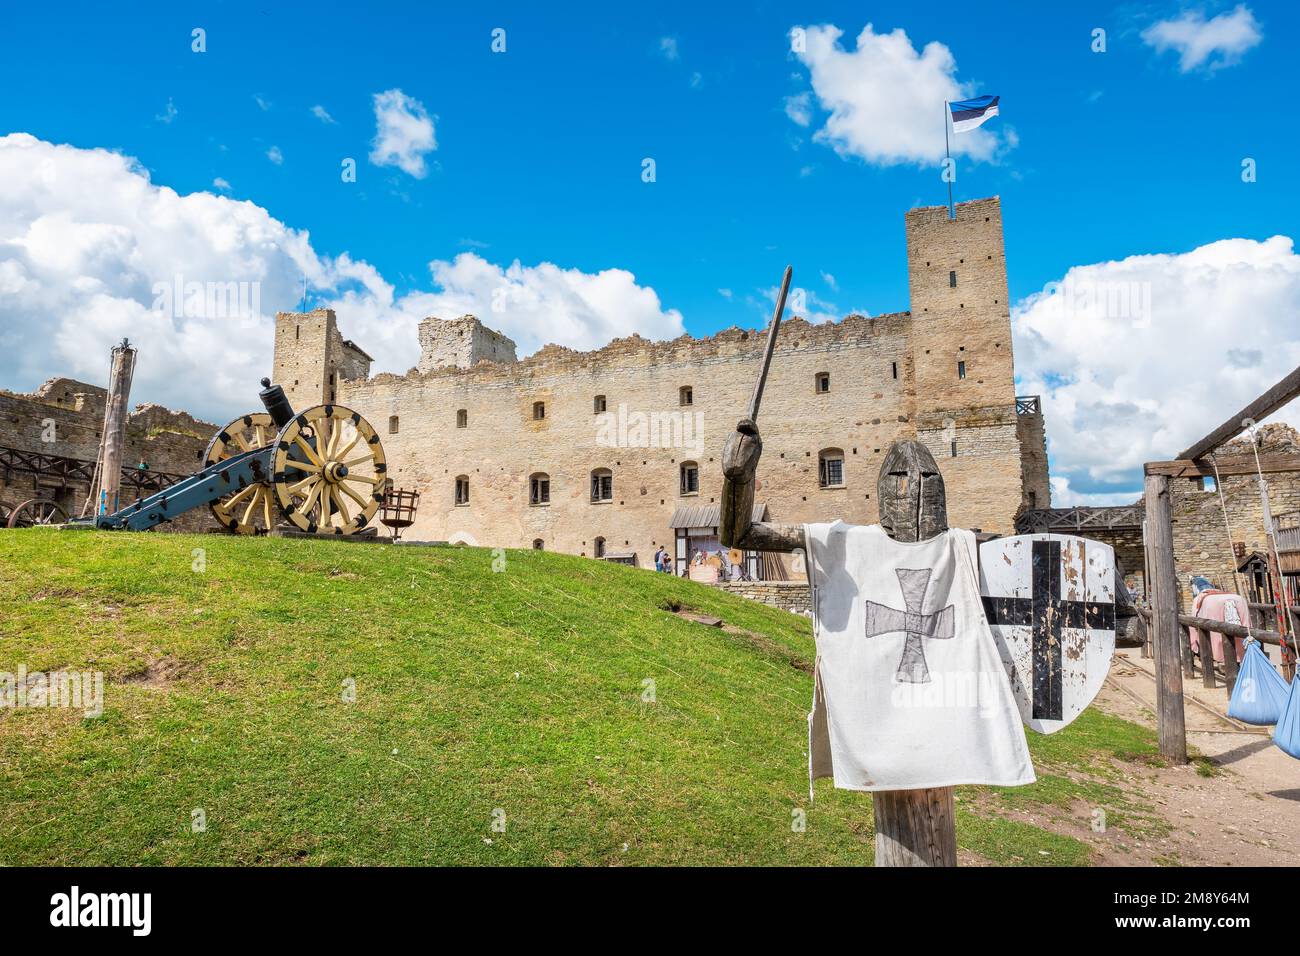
(392, 424)
(823, 382)
(462, 418)
(952, 280)
(831, 472)
(598, 406)
(894, 365)
(961, 369)
(540, 492)
(602, 487)
(954, 448)
(539, 411)
(462, 491)
(687, 395)
(690, 479)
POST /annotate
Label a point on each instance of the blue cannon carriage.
(322, 470)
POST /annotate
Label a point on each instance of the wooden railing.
(1230, 633)
(67, 470)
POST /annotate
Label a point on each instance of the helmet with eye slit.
(910, 492)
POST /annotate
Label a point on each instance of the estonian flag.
(968, 114)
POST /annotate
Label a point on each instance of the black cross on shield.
(913, 622)
(1047, 614)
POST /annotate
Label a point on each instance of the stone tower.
(462, 342)
(966, 410)
(311, 357)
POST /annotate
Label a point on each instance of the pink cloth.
(1219, 606)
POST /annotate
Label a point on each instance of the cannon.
(322, 470)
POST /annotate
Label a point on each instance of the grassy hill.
(521, 691)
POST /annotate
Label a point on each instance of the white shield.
(1050, 602)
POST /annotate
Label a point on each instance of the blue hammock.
(1260, 694)
(1287, 732)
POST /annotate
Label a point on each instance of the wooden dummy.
(913, 827)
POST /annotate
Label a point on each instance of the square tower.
(966, 411)
(961, 321)
(462, 343)
(312, 357)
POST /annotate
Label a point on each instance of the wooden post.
(1230, 662)
(1207, 657)
(1164, 620)
(1185, 651)
(915, 827)
(1146, 586)
(113, 441)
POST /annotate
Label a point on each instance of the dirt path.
(1246, 813)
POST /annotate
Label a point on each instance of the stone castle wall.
(65, 417)
(1201, 542)
(892, 376)
(792, 596)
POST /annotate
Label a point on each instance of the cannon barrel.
(276, 403)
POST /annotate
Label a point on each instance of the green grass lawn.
(479, 696)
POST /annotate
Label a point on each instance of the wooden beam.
(1170, 719)
(1259, 409)
(1228, 465)
(1225, 628)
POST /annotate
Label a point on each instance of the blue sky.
(539, 150)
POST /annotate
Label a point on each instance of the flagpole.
(947, 169)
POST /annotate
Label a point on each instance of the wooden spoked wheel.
(35, 513)
(328, 472)
(253, 509)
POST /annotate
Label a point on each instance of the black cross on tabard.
(917, 625)
(1048, 615)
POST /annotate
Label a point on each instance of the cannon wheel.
(328, 471)
(35, 512)
(253, 509)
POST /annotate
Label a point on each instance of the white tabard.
(908, 689)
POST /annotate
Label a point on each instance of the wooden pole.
(1277, 396)
(114, 437)
(915, 827)
(1164, 621)
(1230, 662)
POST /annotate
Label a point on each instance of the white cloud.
(1064, 496)
(830, 282)
(725, 293)
(403, 133)
(696, 81)
(263, 103)
(668, 48)
(221, 184)
(1213, 43)
(168, 114)
(1138, 358)
(544, 303)
(885, 100)
(322, 114)
(85, 237)
(275, 156)
(799, 108)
